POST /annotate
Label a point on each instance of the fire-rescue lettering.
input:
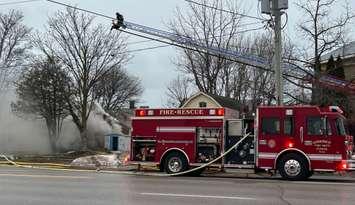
(180, 112)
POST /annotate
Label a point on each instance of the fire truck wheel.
(293, 167)
(175, 162)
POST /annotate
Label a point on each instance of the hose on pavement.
(66, 167)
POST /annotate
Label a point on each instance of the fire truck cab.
(293, 140)
(299, 140)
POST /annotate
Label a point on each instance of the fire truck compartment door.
(235, 128)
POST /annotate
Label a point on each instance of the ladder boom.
(247, 59)
(191, 43)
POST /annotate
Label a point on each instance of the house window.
(270, 126)
(202, 104)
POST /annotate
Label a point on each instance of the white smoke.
(100, 123)
(20, 136)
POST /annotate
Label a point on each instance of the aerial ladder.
(247, 59)
(335, 83)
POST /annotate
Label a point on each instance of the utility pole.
(276, 11)
(273, 8)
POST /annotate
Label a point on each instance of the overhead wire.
(158, 40)
(139, 35)
(17, 2)
(138, 42)
(80, 9)
(125, 52)
(224, 10)
(144, 49)
(155, 39)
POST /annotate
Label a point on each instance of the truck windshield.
(340, 124)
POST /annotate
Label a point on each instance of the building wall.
(194, 103)
(349, 70)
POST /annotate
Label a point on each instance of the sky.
(154, 67)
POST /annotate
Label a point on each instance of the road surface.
(41, 187)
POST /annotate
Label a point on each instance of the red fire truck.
(296, 141)
(293, 140)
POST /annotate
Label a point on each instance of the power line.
(223, 10)
(105, 16)
(249, 24)
(285, 75)
(252, 29)
(80, 9)
(151, 38)
(144, 36)
(129, 51)
(144, 49)
(17, 2)
(154, 39)
(138, 42)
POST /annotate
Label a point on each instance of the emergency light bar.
(336, 109)
(180, 112)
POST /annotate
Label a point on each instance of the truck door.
(316, 137)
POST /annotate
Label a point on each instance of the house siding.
(194, 103)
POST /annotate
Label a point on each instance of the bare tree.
(13, 46)
(178, 91)
(217, 75)
(254, 86)
(42, 93)
(212, 27)
(325, 28)
(115, 89)
(88, 52)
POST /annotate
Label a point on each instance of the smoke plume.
(21, 136)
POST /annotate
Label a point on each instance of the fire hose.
(138, 173)
(209, 163)
(31, 165)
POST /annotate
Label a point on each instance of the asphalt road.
(41, 187)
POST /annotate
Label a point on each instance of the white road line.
(45, 176)
(325, 183)
(198, 196)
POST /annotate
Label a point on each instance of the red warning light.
(141, 113)
(344, 165)
(290, 144)
(220, 112)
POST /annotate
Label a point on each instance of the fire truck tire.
(175, 162)
(293, 166)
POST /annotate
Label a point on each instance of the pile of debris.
(101, 161)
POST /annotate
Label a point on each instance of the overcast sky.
(153, 67)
